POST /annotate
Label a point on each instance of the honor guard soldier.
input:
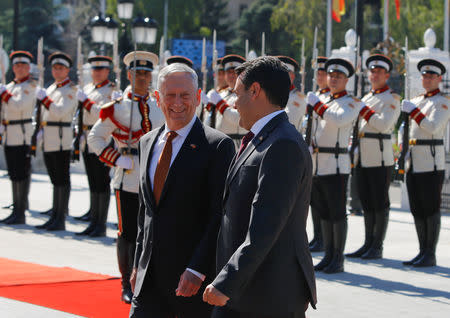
(316, 244)
(59, 103)
(92, 97)
(127, 119)
(18, 99)
(209, 114)
(428, 115)
(221, 82)
(227, 117)
(296, 105)
(332, 162)
(376, 157)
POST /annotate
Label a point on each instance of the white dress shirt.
(259, 125)
(177, 142)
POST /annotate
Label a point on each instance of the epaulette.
(299, 94)
(118, 100)
(448, 97)
(112, 84)
(73, 86)
(396, 96)
(356, 99)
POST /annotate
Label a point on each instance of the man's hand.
(312, 98)
(407, 106)
(2, 88)
(124, 162)
(40, 93)
(214, 97)
(133, 278)
(214, 297)
(188, 285)
(116, 94)
(81, 96)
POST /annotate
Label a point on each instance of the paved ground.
(381, 288)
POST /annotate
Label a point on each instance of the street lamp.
(144, 30)
(125, 9)
(99, 28)
(112, 30)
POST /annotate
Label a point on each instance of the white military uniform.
(334, 128)
(98, 95)
(17, 111)
(296, 108)
(115, 120)
(384, 111)
(227, 117)
(57, 116)
(430, 123)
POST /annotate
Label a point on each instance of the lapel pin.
(193, 146)
(261, 138)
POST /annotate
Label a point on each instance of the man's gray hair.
(176, 68)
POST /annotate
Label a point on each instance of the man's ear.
(157, 98)
(255, 90)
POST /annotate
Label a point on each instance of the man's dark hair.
(272, 76)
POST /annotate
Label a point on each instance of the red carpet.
(65, 289)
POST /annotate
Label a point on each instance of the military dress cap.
(219, 64)
(144, 60)
(60, 58)
(431, 66)
(380, 61)
(180, 59)
(232, 61)
(321, 60)
(339, 65)
(290, 63)
(21, 57)
(100, 61)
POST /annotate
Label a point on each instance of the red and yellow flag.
(338, 10)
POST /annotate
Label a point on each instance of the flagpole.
(329, 28)
(386, 20)
(446, 26)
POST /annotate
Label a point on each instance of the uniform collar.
(104, 83)
(380, 90)
(26, 78)
(63, 83)
(324, 90)
(138, 98)
(338, 95)
(432, 93)
(292, 87)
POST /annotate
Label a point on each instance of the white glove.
(2, 88)
(124, 162)
(81, 96)
(214, 97)
(312, 99)
(40, 93)
(204, 98)
(116, 95)
(407, 106)
(39, 137)
(311, 150)
(2, 128)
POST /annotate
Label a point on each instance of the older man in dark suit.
(263, 261)
(183, 170)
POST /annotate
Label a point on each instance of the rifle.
(215, 70)
(133, 95)
(116, 61)
(38, 108)
(302, 67)
(309, 108)
(400, 165)
(355, 134)
(204, 71)
(2, 70)
(246, 49)
(76, 142)
(263, 44)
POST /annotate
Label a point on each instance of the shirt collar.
(63, 83)
(259, 125)
(19, 81)
(380, 90)
(183, 132)
(432, 93)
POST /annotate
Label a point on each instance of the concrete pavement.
(381, 288)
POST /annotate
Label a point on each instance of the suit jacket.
(181, 231)
(263, 261)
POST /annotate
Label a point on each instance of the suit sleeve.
(280, 176)
(204, 255)
(140, 223)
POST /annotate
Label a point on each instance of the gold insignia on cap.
(142, 62)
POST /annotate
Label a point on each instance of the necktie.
(245, 140)
(163, 166)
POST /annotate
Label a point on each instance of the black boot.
(19, 198)
(369, 223)
(14, 195)
(102, 208)
(327, 235)
(316, 244)
(27, 190)
(125, 266)
(433, 224)
(93, 215)
(88, 215)
(421, 230)
(339, 238)
(59, 222)
(51, 211)
(381, 223)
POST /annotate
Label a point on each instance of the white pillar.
(329, 28)
(386, 20)
(446, 25)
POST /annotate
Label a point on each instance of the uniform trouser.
(424, 192)
(97, 173)
(329, 196)
(18, 161)
(58, 167)
(127, 204)
(355, 200)
(373, 185)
